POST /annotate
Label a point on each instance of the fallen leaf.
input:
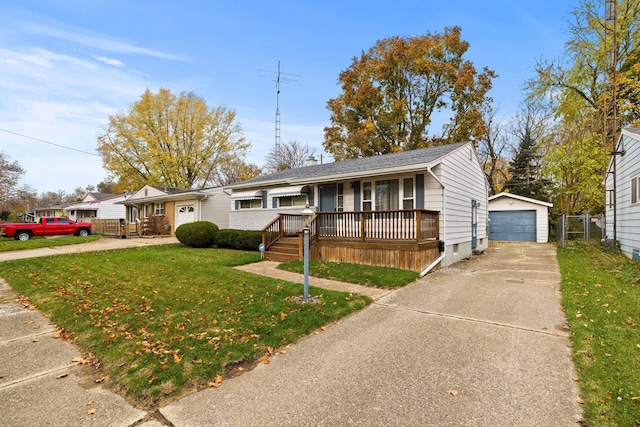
(266, 361)
(323, 328)
(176, 358)
(91, 411)
(62, 375)
(101, 379)
(216, 382)
(91, 402)
(453, 392)
(576, 379)
(36, 340)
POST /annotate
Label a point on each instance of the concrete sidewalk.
(40, 379)
(480, 344)
(269, 268)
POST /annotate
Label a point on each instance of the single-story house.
(622, 207)
(518, 219)
(168, 208)
(98, 205)
(35, 214)
(412, 210)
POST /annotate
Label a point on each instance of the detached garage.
(518, 219)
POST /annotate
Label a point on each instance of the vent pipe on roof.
(311, 161)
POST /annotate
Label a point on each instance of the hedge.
(246, 240)
(199, 234)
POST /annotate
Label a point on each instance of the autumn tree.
(575, 81)
(10, 175)
(391, 93)
(574, 164)
(234, 171)
(169, 140)
(287, 156)
(581, 99)
(494, 149)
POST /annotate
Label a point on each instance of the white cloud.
(109, 61)
(96, 41)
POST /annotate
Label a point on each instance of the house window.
(250, 204)
(366, 196)
(158, 209)
(407, 194)
(340, 206)
(387, 195)
(300, 200)
(635, 189)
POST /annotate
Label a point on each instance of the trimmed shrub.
(246, 240)
(199, 234)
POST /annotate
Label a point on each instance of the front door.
(474, 224)
(327, 203)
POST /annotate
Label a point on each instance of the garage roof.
(521, 198)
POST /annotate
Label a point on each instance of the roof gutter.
(444, 225)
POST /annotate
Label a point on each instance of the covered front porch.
(405, 239)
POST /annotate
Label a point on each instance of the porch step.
(285, 249)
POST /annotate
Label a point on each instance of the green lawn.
(601, 296)
(380, 277)
(167, 319)
(10, 244)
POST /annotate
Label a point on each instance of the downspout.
(444, 225)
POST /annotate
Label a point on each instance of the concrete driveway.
(481, 343)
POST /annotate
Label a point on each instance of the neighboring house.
(35, 214)
(622, 208)
(98, 205)
(402, 209)
(175, 207)
(518, 219)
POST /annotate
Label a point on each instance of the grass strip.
(166, 320)
(10, 244)
(601, 297)
(379, 277)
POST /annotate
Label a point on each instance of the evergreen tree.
(525, 170)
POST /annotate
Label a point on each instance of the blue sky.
(66, 65)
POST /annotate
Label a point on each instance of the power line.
(50, 143)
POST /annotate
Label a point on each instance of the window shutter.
(420, 191)
(264, 199)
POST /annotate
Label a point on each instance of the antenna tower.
(610, 96)
(280, 78)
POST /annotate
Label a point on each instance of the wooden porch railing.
(397, 225)
(417, 225)
(282, 225)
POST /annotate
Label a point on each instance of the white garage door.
(185, 214)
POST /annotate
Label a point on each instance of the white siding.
(628, 215)
(464, 181)
(214, 208)
(506, 203)
(107, 209)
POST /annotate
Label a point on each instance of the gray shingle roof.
(364, 164)
(634, 130)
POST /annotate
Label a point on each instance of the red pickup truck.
(48, 226)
